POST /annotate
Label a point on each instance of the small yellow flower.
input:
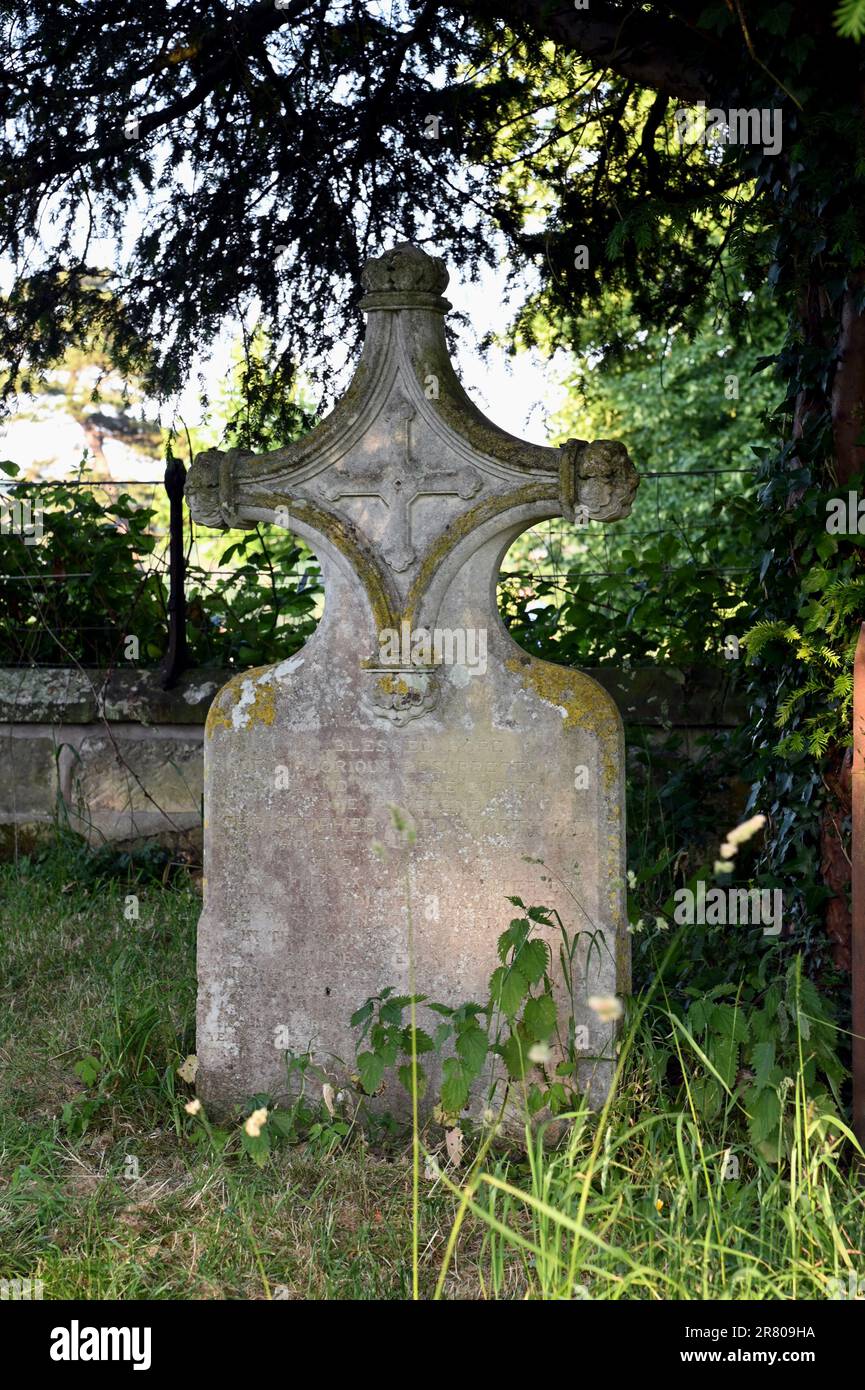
(659, 1205)
(608, 1007)
(254, 1124)
(192, 1107)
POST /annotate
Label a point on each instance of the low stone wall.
(111, 753)
(119, 759)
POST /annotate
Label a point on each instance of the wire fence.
(139, 582)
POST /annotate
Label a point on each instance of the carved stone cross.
(411, 694)
(398, 485)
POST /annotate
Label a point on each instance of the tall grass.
(645, 1201)
(629, 1203)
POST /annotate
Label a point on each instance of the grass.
(105, 1194)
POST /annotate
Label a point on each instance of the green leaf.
(258, 1147)
(515, 1055)
(539, 1017)
(764, 1114)
(508, 988)
(404, 1074)
(422, 1041)
(282, 1121)
(472, 1044)
(729, 1022)
(514, 937)
(532, 960)
(762, 1060)
(391, 1012)
(88, 1069)
(362, 1014)
(455, 1087)
(371, 1070)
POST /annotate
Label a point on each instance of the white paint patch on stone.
(288, 667)
(245, 702)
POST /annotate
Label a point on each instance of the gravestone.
(410, 694)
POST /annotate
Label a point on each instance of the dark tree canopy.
(257, 153)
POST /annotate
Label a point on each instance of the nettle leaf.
(404, 1074)
(535, 1099)
(729, 1022)
(539, 1017)
(697, 1016)
(764, 1114)
(422, 1041)
(391, 1012)
(362, 1014)
(370, 1069)
(88, 1069)
(257, 1146)
(540, 914)
(514, 937)
(455, 1086)
(763, 1060)
(508, 987)
(472, 1045)
(515, 1054)
(533, 960)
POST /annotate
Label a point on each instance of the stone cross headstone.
(410, 694)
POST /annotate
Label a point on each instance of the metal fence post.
(176, 657)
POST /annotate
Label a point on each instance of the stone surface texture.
(410, 499)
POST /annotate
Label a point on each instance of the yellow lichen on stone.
(393, 685)
(263, 707)
(583, 703)
(345, 539)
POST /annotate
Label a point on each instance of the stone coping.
(647, 695)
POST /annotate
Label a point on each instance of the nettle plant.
(517, 1024)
